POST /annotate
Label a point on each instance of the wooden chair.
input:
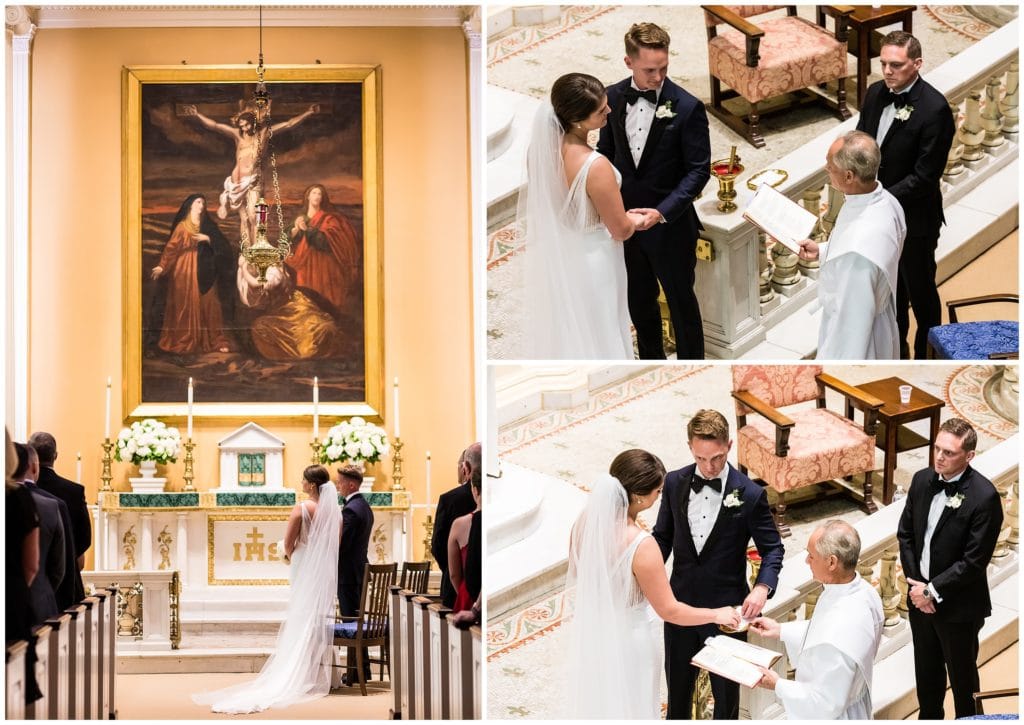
(778, 57)
(799, 448)
(415, 576)
(369, 628)
(980, 697)
(982, 340)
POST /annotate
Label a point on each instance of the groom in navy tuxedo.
(709, 513)
(657, 137)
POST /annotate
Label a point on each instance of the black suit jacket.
(674, 167)
(73, 495)
(51, 555)
(717, 577)
(451, 505)
(71, 590)
(356, 525)
(914, 152)
(961, 546)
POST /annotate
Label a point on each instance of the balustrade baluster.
(1011, 99)
(954, 166)
(971, 132)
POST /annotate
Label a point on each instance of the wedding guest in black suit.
(709, 513)
(914, 128)
(451, 505)
(657, 137)
(947, 534)
(356, 525)
(67, 590)
(73, 496)
(51, 540)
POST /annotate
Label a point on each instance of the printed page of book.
(722, 663)
(744, 650)
(780, 217)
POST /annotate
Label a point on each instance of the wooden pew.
(16, 652)
(460, 669)
(90, 704)
(104, 619)
(397, 652)
(440, 695)
(111, 635)
(40, 709)
(422, 679)
(476, 640)
(59, 679)
(408, 637)
(76, 660)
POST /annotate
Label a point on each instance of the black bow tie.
(632, 94)
(899, 100)
(950, 487)
(697, 483)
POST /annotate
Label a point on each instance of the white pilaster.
(20, 30)
(471, 27)
(146, 562)
(181, 563)
(111, 558)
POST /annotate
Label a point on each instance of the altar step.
(210, 652)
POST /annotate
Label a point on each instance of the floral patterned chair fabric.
(773, 58)
(801, 447)
(975, 340)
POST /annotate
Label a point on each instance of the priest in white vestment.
(860, 262)
(834, 651)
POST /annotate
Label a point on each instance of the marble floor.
(649, 409)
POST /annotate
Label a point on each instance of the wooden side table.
(864, 21)
(892, 435)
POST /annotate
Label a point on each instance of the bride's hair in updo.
(574, 97)
(317, 475)
(638, 471)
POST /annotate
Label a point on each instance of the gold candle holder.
(726, 171)
(396, 462)
(428, 536)
(107, 476)
(315, 445)
(189, 466)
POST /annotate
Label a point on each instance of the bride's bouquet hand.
(727, 617)
(281, 551)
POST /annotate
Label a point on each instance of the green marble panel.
(279, 498)
(158, 500)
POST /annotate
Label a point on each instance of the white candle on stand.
(398, 431)
(428, 480)
(106, 424)
(316, 408)
(78, 467)
(190, 408)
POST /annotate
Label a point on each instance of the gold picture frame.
(167, 150)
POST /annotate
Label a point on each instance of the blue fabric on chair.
(974, 340)
(347, 629)
(996, 716)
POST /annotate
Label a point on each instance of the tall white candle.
(398, 430)
(106, 423)
(429, 499)
(316, 408)
(78, 467)
(190, 408)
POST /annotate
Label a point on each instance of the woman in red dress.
(325, 250)
(458, 541)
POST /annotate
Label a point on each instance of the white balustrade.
(156, 610)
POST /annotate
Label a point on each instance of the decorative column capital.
(471, 26)
(21, 22)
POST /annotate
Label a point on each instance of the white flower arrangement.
(664, 110)
(903, 114)
(954, 501)
(148, 440)
(354, 440)
(733, 500)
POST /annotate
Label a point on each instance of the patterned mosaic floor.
(650, 410)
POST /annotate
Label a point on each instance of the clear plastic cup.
(905, 393)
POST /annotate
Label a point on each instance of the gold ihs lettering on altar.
(255, 549)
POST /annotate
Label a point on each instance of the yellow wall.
(76, 276)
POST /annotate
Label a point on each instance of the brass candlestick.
(428, 537)
(396, 462)
(107, 476)
(726, 171)
(315, 445)
(189, 471)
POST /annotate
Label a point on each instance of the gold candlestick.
(106, 476)
(396, 461)
(428, 537)
(189, 471)
(315, 445)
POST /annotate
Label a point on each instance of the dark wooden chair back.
(415, 576)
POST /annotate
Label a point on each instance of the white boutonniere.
(664, 110)
(902, 114)
(733, 499)
(954, 501)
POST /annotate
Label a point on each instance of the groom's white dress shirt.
(702, 509)
(639, 117)
(935, 510)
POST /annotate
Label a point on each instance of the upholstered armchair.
(985, 340)
(802, 447)
(776, 57)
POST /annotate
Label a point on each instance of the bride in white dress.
(574, 223)
(616, 568)
(299, 669)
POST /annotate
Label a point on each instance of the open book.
(780, 217)
(734, 659)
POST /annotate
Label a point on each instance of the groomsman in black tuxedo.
(451, 505)
(657, 137)
(709, 513)
(948, 531)
(914, 128)
(356, 525)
